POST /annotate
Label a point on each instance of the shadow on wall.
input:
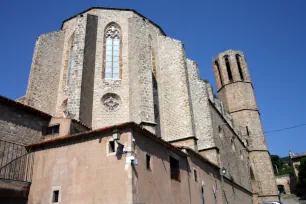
(13, 200)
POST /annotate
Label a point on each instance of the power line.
(278, 130)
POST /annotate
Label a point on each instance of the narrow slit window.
(55, 196)
(220, 130)
(112, 52)
(228, 69)
(195, 172)
(68, 60)
(233, 145)
(175, 169)
(219, 72)
(69, 65)
(148, 162)
(239, 67)
(111, 146)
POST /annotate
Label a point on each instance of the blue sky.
(272, 35)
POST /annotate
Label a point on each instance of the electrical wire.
(287, 128)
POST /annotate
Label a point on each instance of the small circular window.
(111, 101)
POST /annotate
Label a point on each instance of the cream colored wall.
(285, 181)
(83, 172)
(64, 123)
(156, 186)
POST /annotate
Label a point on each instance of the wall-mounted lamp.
(131, 160)
(223, 171)
(116, 134)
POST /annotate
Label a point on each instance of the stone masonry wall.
(237, 96)
(234, 194)
(86, 104)
(45, 72)
(264, 174)
(74, 89)
(126, 20)
(255, 136)
(20, 126)
(173, 91)
(200, 106)
(239, 99)
(63, 89)
(101, 116)
(233, 67)
(141, 84)
(233, 154)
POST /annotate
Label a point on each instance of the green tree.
(302, 173)
(276, 163)
(281, 165)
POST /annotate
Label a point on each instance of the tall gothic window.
(112, 52)
(69, 65)
(218, 68)
(239, 67)
(228, 68)
(68, 61)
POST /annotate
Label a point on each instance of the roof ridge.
(110, 8)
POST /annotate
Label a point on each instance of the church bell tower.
(235, 89)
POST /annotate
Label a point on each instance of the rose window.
(111, 102)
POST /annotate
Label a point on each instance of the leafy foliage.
(302, 173)
(281, 165)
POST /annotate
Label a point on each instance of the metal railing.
(16, 162)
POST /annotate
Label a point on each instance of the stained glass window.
(112, 52)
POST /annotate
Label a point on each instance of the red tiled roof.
(107, 129)
(122, 126)
(297, 156)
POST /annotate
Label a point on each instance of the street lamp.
(116, 134)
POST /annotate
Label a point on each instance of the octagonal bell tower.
(235, 89)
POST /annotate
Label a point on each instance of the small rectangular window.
(51, 130)
(175, 169)
(148, 162)
(111, 147)
(195, 172)
(55, 196)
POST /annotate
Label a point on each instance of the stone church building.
(115, 113)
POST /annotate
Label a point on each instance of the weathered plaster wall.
(85, 174)
(156, 186)
(285, 181)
